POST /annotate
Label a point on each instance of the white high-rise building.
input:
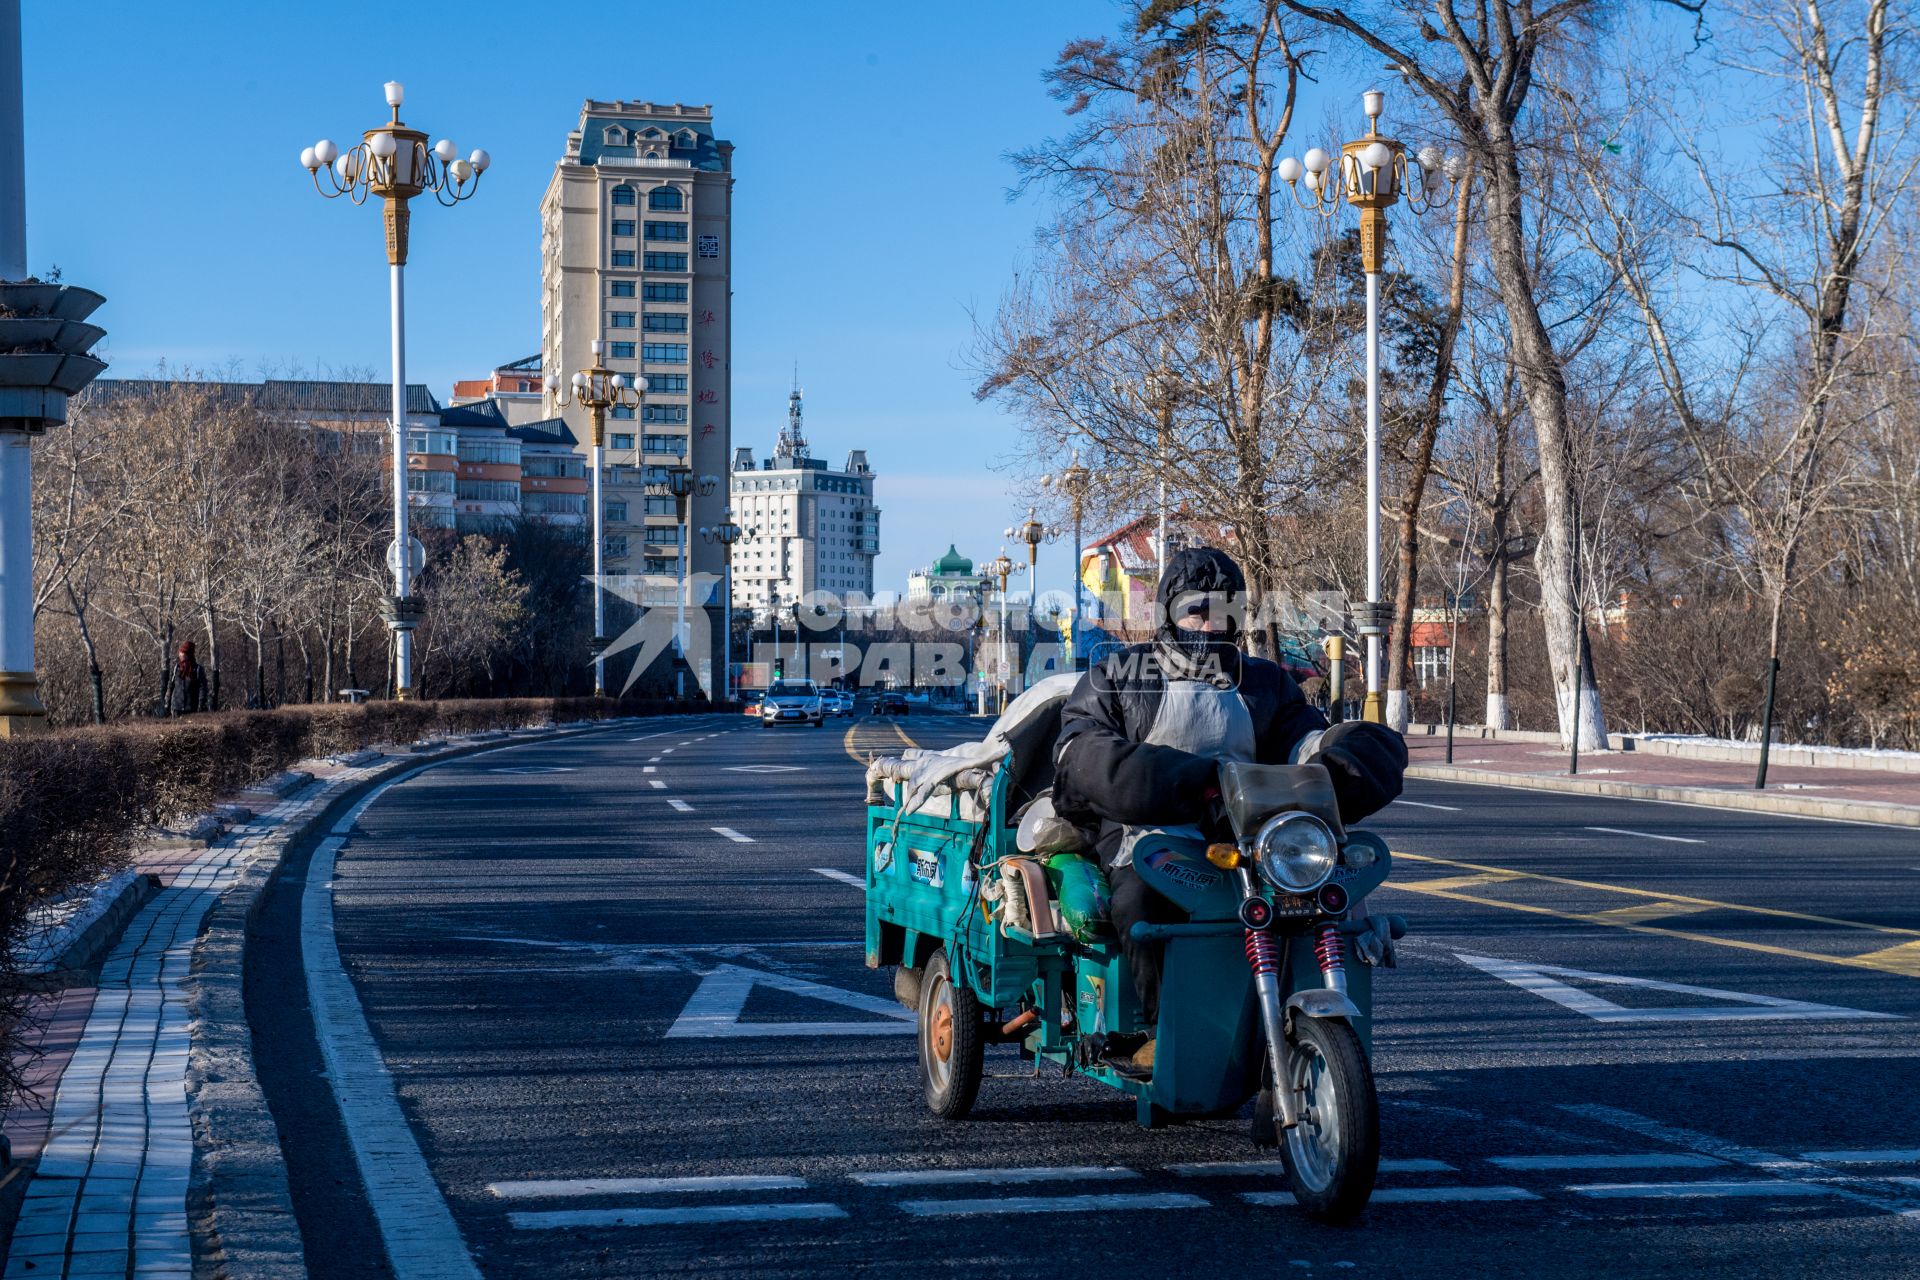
(809, 528)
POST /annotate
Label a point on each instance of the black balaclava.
(1197, 571)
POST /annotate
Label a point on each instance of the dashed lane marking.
(680, 805)
(552, 1188)
(1694, 1190)
(733, 835)
(656, 784)
(647, 768)
(1601, 1160)
(1646, 835)
(684, 1215)
(844, 877)
(1422, 804)
(940, 1177)
(1274, 1169)
(653, 759)
(1893, 1155)
(1051, 1204)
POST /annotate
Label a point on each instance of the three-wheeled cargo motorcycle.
(1262, 996)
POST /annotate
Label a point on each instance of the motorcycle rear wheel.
(1333, 1155)
(952, 1046)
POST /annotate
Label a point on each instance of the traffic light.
(779, 668)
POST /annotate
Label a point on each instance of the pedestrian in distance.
(186, 683)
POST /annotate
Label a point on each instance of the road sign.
(418, 556)
(1543, 980)
(714, 1010)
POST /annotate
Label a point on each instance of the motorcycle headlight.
(1295, 852)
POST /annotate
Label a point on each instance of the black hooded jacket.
(1108, 777)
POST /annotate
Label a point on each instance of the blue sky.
(871, 207)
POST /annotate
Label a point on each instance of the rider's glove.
(1366, 761)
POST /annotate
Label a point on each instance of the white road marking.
(643, 737)
(1407, 1195)
(766, 768)
(421, 1238)
(555, 1187)
(1274, 1169)
(647, 768)
(1643, 1160)
(1540, 979)
(1646, 835)
(687, 1215)
(713, 1010)
(656, 784)
(1892, 1155)
(936, 1177)
(680, 805)
(1421, 804)
(653, 759)
(844, 877)
(667, 751)
(732, 835)
(1695, 1190)
(1050, 1204)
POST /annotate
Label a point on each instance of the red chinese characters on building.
(706, 428)
(709, 396)
(708, 359)
(706, 317)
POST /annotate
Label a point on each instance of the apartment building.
(807, 527)
(636, 245)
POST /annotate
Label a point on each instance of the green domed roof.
(953, 563)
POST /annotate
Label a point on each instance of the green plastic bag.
(1080, 892)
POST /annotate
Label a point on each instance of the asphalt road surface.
(616, 985)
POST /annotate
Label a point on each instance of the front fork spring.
(1327, 950)
(1262, 955)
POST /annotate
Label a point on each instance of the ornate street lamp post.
(396, 164)
(597, 389)
(1075, 482)
(1000, 567)
(682, 484)
(726, 533)
(1033, 533)
(1373, 171)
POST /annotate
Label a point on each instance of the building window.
(623, 411)
(621, 319)
(617, 511)
(623, 195)
(430, 482)
(554, 504)
(675, 445)
(662, 292)
(663, 261)
(663, 322)
(666, 231)
(623, 351)
(622, 441)
(623, 288)
(664, 198)
(1430, 663)
(667, 382)
(488, 490)
(623, 226)
(666, 413)
(616, 546)
(664, 353)
(615, 135)
(623, 257)
(660, 506)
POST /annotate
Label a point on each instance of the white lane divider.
(1422, 804)
(550, 1188)
(1894, 1155)
(1274, 1169)
(656, 784)
(1691, 1190)
(1407, 1195)
(647, 768)
(1051, 1204)
(653, 759)
(684, 1215)
(732, 835)
(1646, 835)
(844, 877)
(1598, 1160)
(948, 1177)
(680, 805)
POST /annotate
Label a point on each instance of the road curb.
(1899, 815)
(239, 1205)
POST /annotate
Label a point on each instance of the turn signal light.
(1224, 856)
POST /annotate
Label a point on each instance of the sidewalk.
(1868, 795)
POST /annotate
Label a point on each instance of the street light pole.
(683, 484)
(726, 533)
(597, 389)
(395, 163)
(1074, 482)
(1372, 172)
(1001, 568)
(1033, 533)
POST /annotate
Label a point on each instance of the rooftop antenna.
(793, 439)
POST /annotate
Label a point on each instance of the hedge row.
(73, 803)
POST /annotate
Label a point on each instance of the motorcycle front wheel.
(1333, 1155)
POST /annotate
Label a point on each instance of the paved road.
(592, 968)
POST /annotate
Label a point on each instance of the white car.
(840, 704)
(793, 702)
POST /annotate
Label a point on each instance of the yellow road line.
(854, 748)
(1903, 960)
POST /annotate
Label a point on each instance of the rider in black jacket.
(1143, 732)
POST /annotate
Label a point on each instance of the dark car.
(890, 704)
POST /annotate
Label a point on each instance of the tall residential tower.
(636, 240)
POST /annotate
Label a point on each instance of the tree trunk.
(213, 655)
(94, 678)
(1498, 714)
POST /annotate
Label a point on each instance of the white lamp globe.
(396, 93)
(597, 347)
(579, 379)
(1456, 167)
(1318, 160)
(382, 145)
(1377, 155)
(1431, 158)
(619, 379)
(445, 151)
(460, 170)
(1313, 180)
(1373, 102)
(640, 384)
(346, 167)
(325, 152)
(1290, 170)
(308, 160)
(479, 160)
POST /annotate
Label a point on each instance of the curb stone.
(1800, 806)
(239, 1205)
